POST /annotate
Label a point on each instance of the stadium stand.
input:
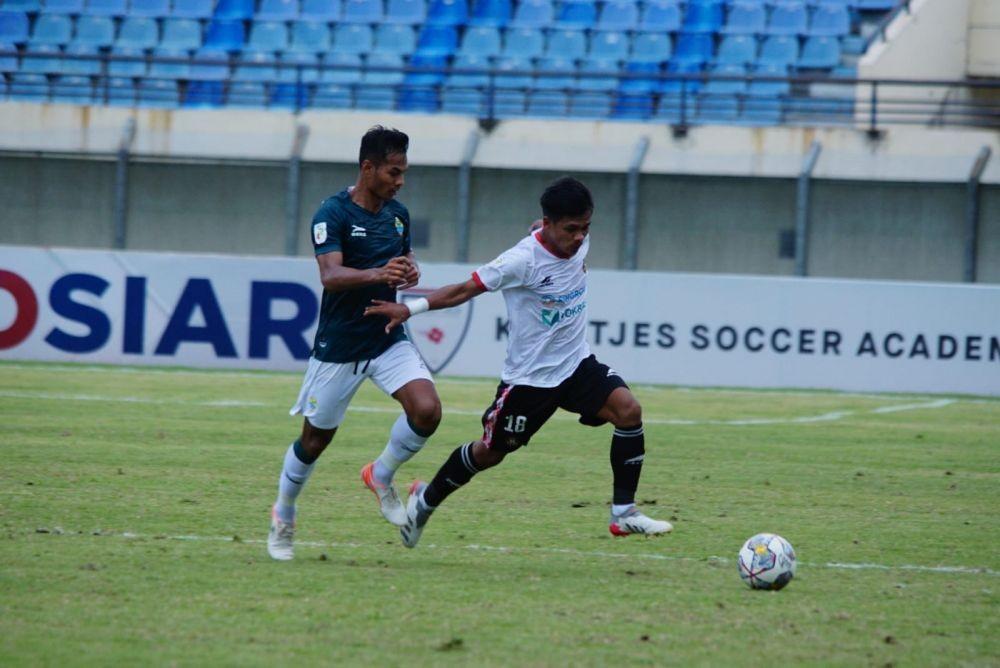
(540, 57)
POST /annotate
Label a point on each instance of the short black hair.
(566, 197)
(381, 142)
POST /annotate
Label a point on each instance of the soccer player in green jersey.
(361, 237)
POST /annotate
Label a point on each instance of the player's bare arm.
(446, 297)
(336, 277)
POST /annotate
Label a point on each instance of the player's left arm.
(446, 297)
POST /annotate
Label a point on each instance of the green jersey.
(366, 240)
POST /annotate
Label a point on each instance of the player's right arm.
(336, 277)
(446, 297)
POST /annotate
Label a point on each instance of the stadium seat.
(106, 8)
(762, 110)
(81, 59)
(693, 48)
(310, 37)
(745, 18)
(566, 44)
(779, 50)
(437, 41)
(717, 108)
(491, 13)
(533, 14)
(589, 104)
(727, 86)
(418, 98)
(513, 73)
(737, 49)
(581, 14)
(289, 96)
(225, 35)
(830, 21)
(8, 58)
(769, 88)
(875, 5)
(637, 107)
(233, 10)
(268, 36)
(170, 64)
(608, 46)
(675, 108)
(13, 27)
(341, 68)
(63, 7)
(468, 101)
(352, 38)
(651, 47)
(95, 31)
(548, 103)
(555, 74)
(157, 93)
(251, 94)
(469, 71)
(640, 78)
(117, 91)
(32, 6)
(481, 42)
(255, 66)
(525, 42)
(29, 86)
(703, 16)
(682, 79)
(406, 12)
(333, 96)
(320, 10)
(598, 75)
(508, 103)
(395, 38)
(148, 9)
(204, 94)
(447, 13)
(277, 10)
(72, 89)
(302, 67)
(41, 59)
(193, 9)
(138, 33)
(619, 15)
(820, 53)
(209, 64)
(127, 62)
(430, 70)
(375, 97)
(659, 16)
(181, 34)
(52, 29)
(788, 19)
(362, 11)
(383, 69)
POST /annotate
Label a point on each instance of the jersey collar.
(550, 249)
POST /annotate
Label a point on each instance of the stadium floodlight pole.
(630, 231)
(972, 213)
(121, 183)
(464, 179)
(293, 190)
(802, 209)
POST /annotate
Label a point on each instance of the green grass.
(90, 454)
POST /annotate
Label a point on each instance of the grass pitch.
(134, 504)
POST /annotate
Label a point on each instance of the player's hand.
(396, 313)
(412, 277)
(394, 272)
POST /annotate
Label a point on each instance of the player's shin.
(404, 442)
(453, 474)
(294, 474)
(628, 448)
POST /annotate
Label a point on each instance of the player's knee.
(628, 413)
(486, 457)
(425, 415)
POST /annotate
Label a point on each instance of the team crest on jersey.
(438, 335)
(319, 232)
(399, 226)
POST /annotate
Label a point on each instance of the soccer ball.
(767, 561)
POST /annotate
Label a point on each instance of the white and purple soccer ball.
(767, 561)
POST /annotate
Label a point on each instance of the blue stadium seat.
(233, 10)
(117, 91)
(555, 74)
(746, 18)
(158, 93)
(788, 19)
(619, 15)
(278, 10)
(406, 12)
(73, 89)
(447, 13)
(660, 15)
(675, 108)
(127, 62)
(310, 37)
(13, 27)
(769, 88)
(181, 34)
(32, 6)
(333, 96)
(830, 21)
(63, 7)
(589, 104)
(491, 13)
(437, 41)
(350, 38)
(225, 35)
(320, 10)
(193, 9)
(779, 50)
(8, 58)
(251, 94)
(383, 69)
(96, 31)
(640, 78)
(29, 86)
(508, 103)
(533, 14)
(820, 53)
(418, 98)
(636, 107)
(170, 64)
(430, 70)
(52, 29)
(106, 8)
(204, 94)
(608, 46)
(376, 97)
(148, 9)
(81, 60)
(680, 79)
(268, 36)
(41, 59)
(138, 33)
(598, 75)
(651, 47)
(703, 16)
(737, 49)
(467, 101)
(362, 11)
(580, 14)
(209, 65)
(480, 42)
(526, 42)
(513, 73)
(693, 48)
(762, 110)
(717, 108)
(875, 5)
(566, 44)
(395, 38)
(341, 68)
(477, 75)
(727, 86)
(289, 96)
(548, 103)
(255, 66)
(302, 67)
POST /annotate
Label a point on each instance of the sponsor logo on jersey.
(319, 232)
(358, 231)
(551, 317)
(547, 281)
(399, 226)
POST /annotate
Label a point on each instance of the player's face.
(385, 180)
(567, 235)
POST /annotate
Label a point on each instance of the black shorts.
(518, 411)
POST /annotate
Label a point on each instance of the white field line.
(968, 570)
(236, 403)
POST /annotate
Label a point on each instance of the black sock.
(628, 448)
(454, 473)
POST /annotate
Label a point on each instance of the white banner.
(260, 313)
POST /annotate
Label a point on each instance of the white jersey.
(546, 299)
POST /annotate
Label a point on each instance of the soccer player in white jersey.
(548, 365)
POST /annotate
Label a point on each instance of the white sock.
(617, 510)
(403, 444)
(294, 475)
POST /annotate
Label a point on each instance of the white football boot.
(632, 521)
(388, 500)
(415, 518)
(280, 538)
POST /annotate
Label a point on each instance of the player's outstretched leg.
(388, 500)
(300, 460)
(417, 514)
(627, 454)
